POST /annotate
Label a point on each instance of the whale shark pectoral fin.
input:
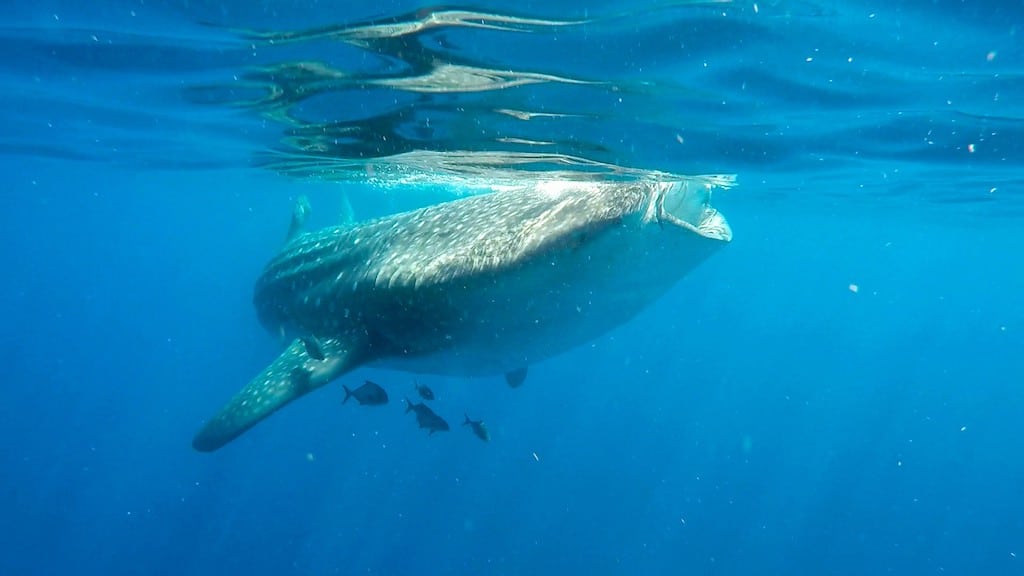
(516, 377)
(294, 374)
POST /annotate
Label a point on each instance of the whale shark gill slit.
(293, 374)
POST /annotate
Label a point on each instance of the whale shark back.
(311, 283)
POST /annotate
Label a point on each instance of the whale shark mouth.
(688, 205)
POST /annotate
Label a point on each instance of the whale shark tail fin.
(294, 374)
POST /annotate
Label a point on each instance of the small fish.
(368, 394)
(425, 392)
(516, 377)
(478, 427)
(426, 418)
(313, 348)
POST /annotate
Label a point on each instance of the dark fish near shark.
(478, 427)
(369, 394)
(483, 285)
(515, 378)
(424, 391)
(426, 418)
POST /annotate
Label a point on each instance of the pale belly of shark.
(484, 285)
(501, 324)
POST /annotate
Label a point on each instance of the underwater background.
(839, 391)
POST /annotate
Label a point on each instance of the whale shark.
(483, 285)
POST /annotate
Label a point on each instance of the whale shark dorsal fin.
(347, 215)
(294, 374)
(300, 211)
(516, 377)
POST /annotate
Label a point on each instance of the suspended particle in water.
(854, 288)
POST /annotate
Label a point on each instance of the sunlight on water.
(426, 129)
(455, 167)
(472, 170)
(419, 21)
(836, 100)
(463, 93)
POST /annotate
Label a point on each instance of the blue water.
(837, 392)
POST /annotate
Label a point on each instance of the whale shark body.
(483, 285)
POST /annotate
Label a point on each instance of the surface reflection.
(423, 96)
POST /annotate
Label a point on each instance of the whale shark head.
(687, 204)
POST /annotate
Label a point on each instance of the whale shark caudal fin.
(294, 374)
